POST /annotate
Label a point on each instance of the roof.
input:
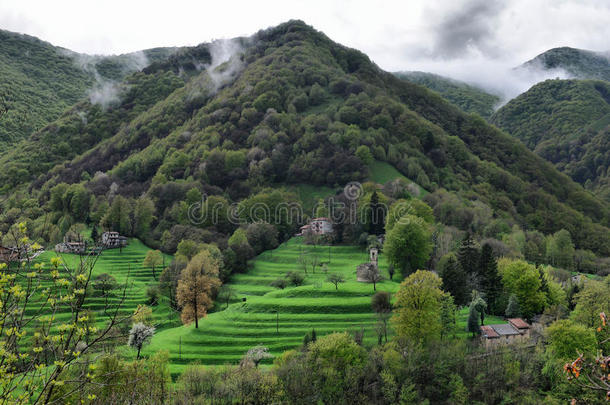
(505, 329)
(519, 323)
(488, 332)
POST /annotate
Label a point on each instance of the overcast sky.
(469, 39)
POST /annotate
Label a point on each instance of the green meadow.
(126, 267)
(279, 319)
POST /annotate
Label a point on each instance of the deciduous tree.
(197, 285)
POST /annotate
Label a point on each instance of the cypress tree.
(473, 321)
(454, 281)
(490, 279)
(468, 255)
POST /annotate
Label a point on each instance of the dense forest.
(567, 123)
(578, 63)
(40, 81)
(469, 98)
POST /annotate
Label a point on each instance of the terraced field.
(126, 267)
(278, 319)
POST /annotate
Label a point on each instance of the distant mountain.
(287, 106)
(467, 97)
(579, 63)
(39, 81)
(568, 123)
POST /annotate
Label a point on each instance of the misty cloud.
(224, 68)
(469, 29)
(105, 91)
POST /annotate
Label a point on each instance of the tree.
(382, 306)
(593, 299)
(489, 277)
(480, 305)
(94, 234)
(473, 321)
(143, 314)
(408, 245)
(468, 255)
(376, 215)
(226, 294)
(197, 285)
(560, 249)
(30, 293)
(448, 312)
(143, 217)
(139, 335)
(417, 313)
(280, 283)
(454, 279)
(364, 154)
(522, 279)
(512, 309)
(257, 354)
(335, 279)
(105, 283)
(567, 338)
(295, 278)
(153, 259)
(391, 271)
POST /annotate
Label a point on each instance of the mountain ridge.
(301, 109)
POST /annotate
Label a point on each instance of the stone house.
(515, 331)
(112, 240)
(317, 226)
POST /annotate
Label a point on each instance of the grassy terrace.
(124, 266)
(278, 318)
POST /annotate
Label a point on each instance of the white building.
(113, 240)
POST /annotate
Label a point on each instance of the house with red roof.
(516, 330)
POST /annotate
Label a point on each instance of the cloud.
(469, 28)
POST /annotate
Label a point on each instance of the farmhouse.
(113, 240)
(78, 248)
(318, 226)
(516, 330)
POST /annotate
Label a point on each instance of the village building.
(112, 240)
(8, 254)
(79, 248)
(515, 331)
(317, 226)
(367, 272)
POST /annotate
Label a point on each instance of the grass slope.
(225, 336)
(124, 266)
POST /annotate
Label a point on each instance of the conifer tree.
(489, 277)
(473, 321)
(454, 281)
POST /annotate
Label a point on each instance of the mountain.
(469, 98)
(568, 123)
(579, 63)
(39, 81)
(236, 119)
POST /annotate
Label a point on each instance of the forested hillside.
(469, 98)
(290, 106)
(567, 123)
(39, 81)
(579, 63)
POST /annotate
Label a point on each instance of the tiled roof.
(488, 332)
(519, 323)
(505, 329)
